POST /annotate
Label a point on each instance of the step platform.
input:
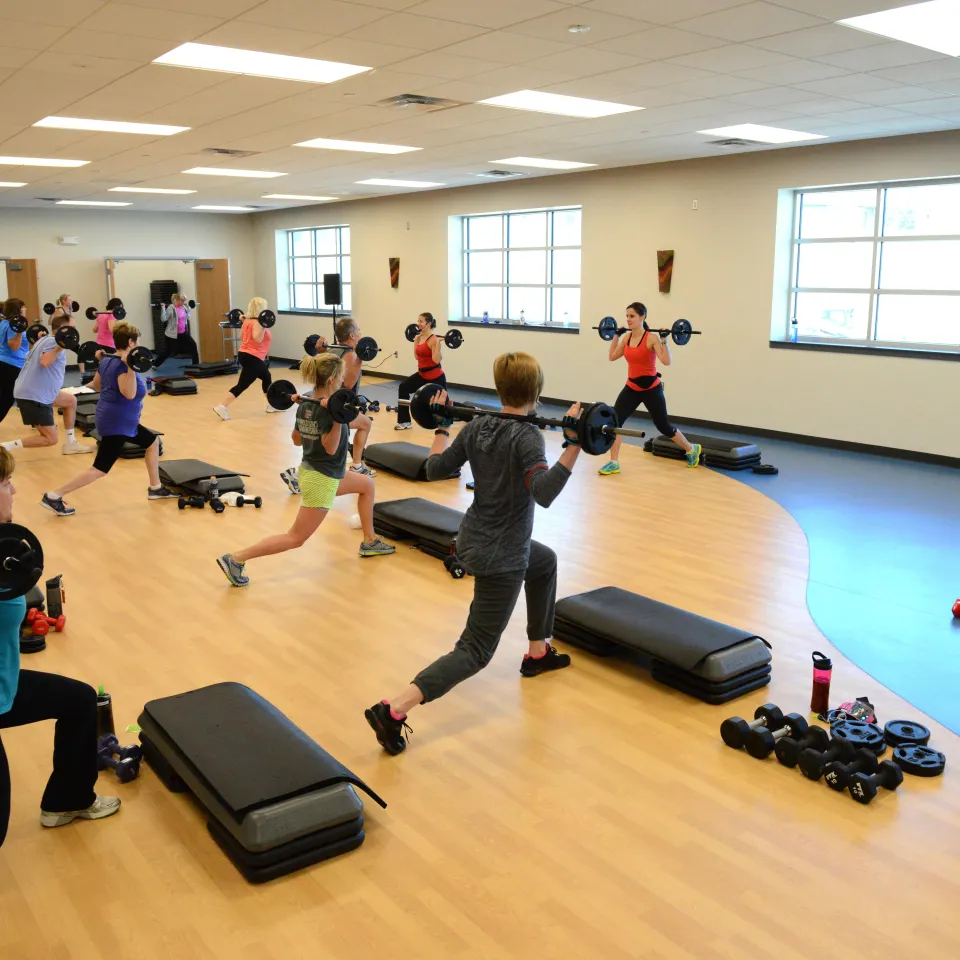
(191, 476)
(212, 368)
(175, 386)
(406, 459)
(717, 452)
(432, 526)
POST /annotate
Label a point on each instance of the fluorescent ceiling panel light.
(93, 203)
(222, 172)
(253, 63)
(356, 146)
(148, 190)
(757, 131)
(296, 196)
(540, 102)
(546, 164)
(40, 162)
(110, 126)
(10, 183)
(934, 25)
(223, 209)
(399, 183)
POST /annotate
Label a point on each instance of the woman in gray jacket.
(176, 319)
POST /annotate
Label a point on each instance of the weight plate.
(266, 318)
(919, 760)
(310, 344)
(120, 313)
(681, 332)
(35, 332)
(280, 394)
(420, 405)
(607, 328)
(366, 349)
(860, 734)
(897, 732)
(767, 469)
(590, 429)
(411, 332)
(453, 339)
(21, 560)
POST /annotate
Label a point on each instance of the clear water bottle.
(794, 329)
(523, 319)
(486, 317)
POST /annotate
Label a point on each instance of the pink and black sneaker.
(389, 729)
(551, 660)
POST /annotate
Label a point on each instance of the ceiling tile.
(57, 13)
(211, 8)
(149, 22)
(603, 26)
(660, 43)
(796, 71)
(13, 58)
(443, 65)
(818, 41)
(258, 36)
(111, 45)
(862, 115)
(933, 107)
(512, 78)
(922, 73)
(502, 47)
(493, 14)
(731, 58)
(895, 95)
(910, 125)
(851, 83)
(880, 56)
(29, 36)
(658, 12)
(657, 75)
(327, 17)
(944, 86)
(584, 62)
(719, 86)
(816, 106)
(769, 97)
(420, 33)
(363, 53)
(840, 9)
(750, 21)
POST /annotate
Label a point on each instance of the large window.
(310, 254)
(523, 267)
(878, 264)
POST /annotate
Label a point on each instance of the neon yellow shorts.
(316, 489)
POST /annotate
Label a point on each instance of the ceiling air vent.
(735, 142)
(499, 174)
(224, 152)
(418, 103)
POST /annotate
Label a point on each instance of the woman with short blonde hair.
(175, 317)
(253, 357)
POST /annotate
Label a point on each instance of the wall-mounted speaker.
(332, 293)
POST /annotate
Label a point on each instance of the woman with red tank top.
(426, 348)
(642, 347)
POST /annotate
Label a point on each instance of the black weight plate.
(366, 349)
(266, 318)
(593, 419)
(35, 332)
(453, 339)
(607, 328)
(919, 760)
(860, 734)
(87, 352)
(280, 394)
(140, 359)
(18, 324)
(92, 313)
(310, 344)
(411, 332)
(897, 732)
(68, 338)
(21, 560)
(343, 406)
(420, 405)
(768, 469)
(681, 332)
(120, 313)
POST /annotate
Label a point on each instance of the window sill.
(516, 325)
(313, 313)
(917, 353)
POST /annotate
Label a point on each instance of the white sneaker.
(100, 808)
(403, 426)
(272, 409)
(221, 411)
(70, 447)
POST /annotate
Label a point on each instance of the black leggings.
(111, 446)
(655, 402)
(251, 368)
(183, 343)
(47, 696)
(8, 377)
(408, 386)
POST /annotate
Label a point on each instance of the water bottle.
(793, 331)
(523, 319)
(486, 317)
(213, 491)
(104, 713)
(822, 671)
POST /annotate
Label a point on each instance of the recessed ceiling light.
(376, 182)
(223, 172)
(254, 63)
(540, 102)
(40, 162)
(357, 146)
(94, 203)
(9, 183)
(934, 25)
(148, 190)
(546, 164)
(222, 209)
(578, 28)
(296, 196)
(757, 131)
(110, 126)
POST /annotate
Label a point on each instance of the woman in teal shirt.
(27, 696)
(13, 351)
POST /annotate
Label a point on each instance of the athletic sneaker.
(289, 477)
(363, 469)
(232, 570)
(551, 660)
(100, 808)
(609, 469)
(222, 412)
(376, 548)
(161, 493)
(71, 446)
(272, 409)
(693, 457)
(388, 730)
(403, 426)
(57, 506)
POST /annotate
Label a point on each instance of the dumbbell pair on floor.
(125, 761)
(41, 624)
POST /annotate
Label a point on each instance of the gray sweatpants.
(493, 601)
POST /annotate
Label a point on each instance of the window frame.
(549, 285)
(321, 309)
(878, 239)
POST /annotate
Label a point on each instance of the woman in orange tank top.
(426, 348)
(642, 348)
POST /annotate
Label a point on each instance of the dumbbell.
(131, 752)
(38, 616)
(761, 741)
(452, 338)
(239, 500)
(863, 787)
(837, 775)
(217, 505)
(812, 763)
(127, 767)
(198, 503)
(91, 313)
(788, 750)
(734, 730)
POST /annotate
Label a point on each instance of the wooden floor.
(591, 813)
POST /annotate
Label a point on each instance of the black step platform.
(700, 657)
(276, 801)
(213, 368)
(175, 386)
(717, 452)
(433, 526)
(188, 475)
(406, 459)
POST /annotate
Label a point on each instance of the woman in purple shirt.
(122, 390)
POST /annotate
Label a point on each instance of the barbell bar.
(366, 348)
(343, 405)
(68, 338)
(452, 338)
(119, 313)
(266, 318)
(159, 303)
(680, 332)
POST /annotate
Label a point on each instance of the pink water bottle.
(822, 671)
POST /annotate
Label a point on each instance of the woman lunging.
(13, 351)
(176, 331)
(252, 357)
(426, 349)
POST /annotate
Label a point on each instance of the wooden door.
(213, 301)
(23, 284)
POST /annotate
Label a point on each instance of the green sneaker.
(693, 457)
(376, 548)
(609, 469)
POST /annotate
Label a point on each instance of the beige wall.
(723, 282)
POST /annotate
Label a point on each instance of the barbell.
(21, 561)
(452, 338)
(51, 308)
(266, 318)
(119, 313)
(159, 303)
(680, 332)
(68, 338)
(366, 348)
(343, 405)
(596, 427)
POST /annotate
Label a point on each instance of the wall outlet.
(696, 204)
(69, 241)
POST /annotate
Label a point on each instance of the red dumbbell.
(35, 616)
(956, 609)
